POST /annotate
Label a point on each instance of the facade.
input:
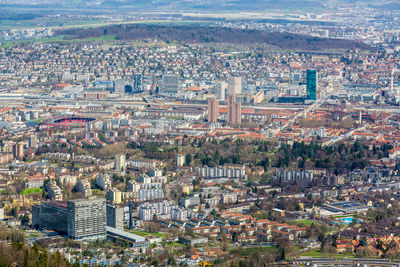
(115, 216)
(219, 90)
(180, 160)
(150, 194)
(170, 84)
(87, 218)
(18, 150)
(103, 181)
(32, 141)
(234, 110)
(234, 86)
(138, 83)
(230, 171)
(115, 196)
(120, 162)
(51, 216)
(213, 110)
(312, 84)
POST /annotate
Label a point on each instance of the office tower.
(115, 216)
(312, 84)
(138, 83)
(32, 141)
(120, 162)
(213, 110)
(170, 84)
(219, 90)
(87, 218)
(234, 110)
(234, 86)
(18, 150)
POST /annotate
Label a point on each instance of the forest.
(208, 34)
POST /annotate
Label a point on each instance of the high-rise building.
(115, 216)
(51, 216)
(213, 110)
(18, 150)
(219, 90)
(234, 86)
(79, 218)
(32, 141)
(120, 162)
(115, 196)
(312, 84)
(138, 83)
(180, 160)
(87, 218)
(234, 110)
(170, 84)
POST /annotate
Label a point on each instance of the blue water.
(348, 220)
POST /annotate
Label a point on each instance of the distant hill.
(187, 34)
(172, 5)
(186, 5)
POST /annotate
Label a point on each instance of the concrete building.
(51, 216)
(150, 194)
(133, 240)
(213, 110)
(120, 162)
(137, 83)
(103, 181)
(180, 160)
(170, 84)
(115, 216)
(18, 150)
(32, 141)
(219, 90)
(87, 218)
(234, 110)
(115, 196)
(234, 86)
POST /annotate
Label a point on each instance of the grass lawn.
(343, 216)
(318, 254)
(174, 244)
(144, 233)
(31, 235)
(28, 191)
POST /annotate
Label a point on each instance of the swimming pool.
(347, 220)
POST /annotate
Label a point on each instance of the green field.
(28, 191)
(144, 233)
(318, 254)
(174, 244)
